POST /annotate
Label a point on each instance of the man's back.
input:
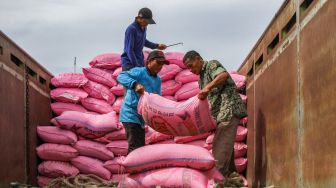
(134, 42)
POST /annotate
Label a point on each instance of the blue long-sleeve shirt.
(135, 40)
(141, 75)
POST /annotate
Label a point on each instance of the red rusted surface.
(318, 66)
(13, 157)
(292, 99)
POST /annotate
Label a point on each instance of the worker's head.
(155, 61)
(193, 61)
(145, 17)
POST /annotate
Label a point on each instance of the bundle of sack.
(86, 137)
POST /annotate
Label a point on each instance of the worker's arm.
(129, 78)
(219, 76)
(130, 36)
(151, 45)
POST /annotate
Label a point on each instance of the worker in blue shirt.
(137, 81)
(135, 40)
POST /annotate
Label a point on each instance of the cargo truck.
(291, 93)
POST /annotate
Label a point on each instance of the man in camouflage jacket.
(226, 107)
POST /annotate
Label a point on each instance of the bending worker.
(226, 107)
(137, 81)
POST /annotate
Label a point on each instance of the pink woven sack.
(74, 80)
(187, 91)
(175, 58)
(70, 95)
(106, 61)
(100, 76)
(117, 104)
(172, 177)
(188, 118)
(169, 72)
(168, 155)
(240, 149)
(115, 165)
(87, 125)
(241, 164)
(56, 152)
(239, 80)
(43, 181)
(97, 105)
(117, 90)
(114, 135)
(99, 91)
(153, 136)
(88, 165)
(241, 133)
(55, 169)
(170, 87)
(59, 107)
(93, 149)
(186, 76)
(118, 147)
(117, 72)
(56, 135)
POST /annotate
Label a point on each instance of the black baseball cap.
(158, 55)
(146, 13)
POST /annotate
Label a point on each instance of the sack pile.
(86, 137)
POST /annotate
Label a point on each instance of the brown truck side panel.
(318, 67)
(12, 157)
(291, 99)
(18, 158)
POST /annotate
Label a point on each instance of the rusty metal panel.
(18, 160)
(275, 122)
(292, 101)
(250, 172)
(318, 66)
(11, 129)
(285, 11)
(40, 114)
(278, 23)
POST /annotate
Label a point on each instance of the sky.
(54, 32)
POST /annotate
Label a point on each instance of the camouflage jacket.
(224, 100)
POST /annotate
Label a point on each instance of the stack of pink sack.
(182, 88)
(169, 165)
(86, 137)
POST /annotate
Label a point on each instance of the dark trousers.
(135, 136)
(223, 143)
